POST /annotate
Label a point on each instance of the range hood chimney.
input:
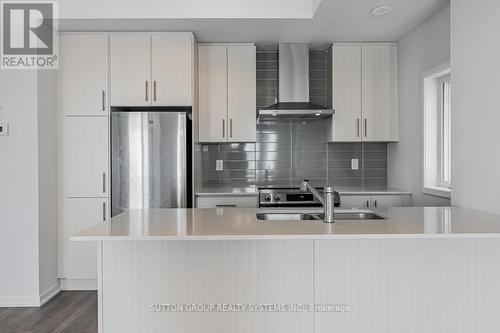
(294, 86)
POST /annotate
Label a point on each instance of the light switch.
(354, 164)
(4, 129)
(219, 165)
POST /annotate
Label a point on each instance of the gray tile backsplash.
(289, 150)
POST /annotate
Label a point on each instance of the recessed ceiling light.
(381, 10)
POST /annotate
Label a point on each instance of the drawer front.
(226, 201)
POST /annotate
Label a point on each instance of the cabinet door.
(355, 201)
(212, 67)
(85, 157)
(379, 92)
(130, 70)
(346, 122)
(78, 260)
(241, 93)
(226, 201)
(83, 74)
(379, 201)
(172, 69)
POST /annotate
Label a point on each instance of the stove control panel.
(290, 197)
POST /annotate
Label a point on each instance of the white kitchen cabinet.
(380, 201)
(375, 201)
(228, 201)
(364, 96)
(130, 70)
(83, 74)
(346, 97)
(212, 78)
(172, 59)
(85, 157)
(241, 93)
(227, 92)
(152, 69)
(355, 201)
(379, 64)
(78, 260)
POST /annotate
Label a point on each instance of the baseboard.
(19, 301)
(49, 293)
(78, 284)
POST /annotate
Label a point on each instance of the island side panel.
(137, 274)
(409, 285)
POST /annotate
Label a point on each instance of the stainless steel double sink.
(341, 215)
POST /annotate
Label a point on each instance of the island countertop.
(242, 224)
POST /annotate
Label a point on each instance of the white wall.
(475, 65)
(19, 194)
(188, 9)
(423, 49)
(47, 181)
(28, 240)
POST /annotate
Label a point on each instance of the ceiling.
(334, 21)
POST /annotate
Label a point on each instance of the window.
(445, 131)
(436, 167)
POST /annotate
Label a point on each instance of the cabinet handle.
(231, 128)
(154, 91)
(147, 94)
(367, 203)
(366, 127)
(357, 127)
(227, 206)
(103, 100)
(223, 128)
(375, 203)
(104, 182)
(104, 211)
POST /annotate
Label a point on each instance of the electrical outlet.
(219, 165)
(2, 110)
(354, 164)
(4, 129)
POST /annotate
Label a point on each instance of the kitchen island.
(209, 270)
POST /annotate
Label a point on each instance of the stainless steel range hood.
(294, 86)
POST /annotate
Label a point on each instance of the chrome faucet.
(327, 200)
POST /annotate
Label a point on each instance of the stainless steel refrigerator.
(150, 158)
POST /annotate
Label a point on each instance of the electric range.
(290, 197)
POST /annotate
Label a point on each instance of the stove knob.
(267, 198)
(277, 198)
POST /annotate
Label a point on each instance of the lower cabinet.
(375, 201)
(78, 260)
(226, 201)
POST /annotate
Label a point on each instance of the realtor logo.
(29, 38)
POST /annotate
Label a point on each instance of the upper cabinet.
(130, 70)
(83, 74)
(241, 93)
(227, 92)
(346, 96)
(172, 61)
(379, 100)
(364, 96)
(152, 69)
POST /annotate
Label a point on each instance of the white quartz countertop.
(242, 224)
(343, 190)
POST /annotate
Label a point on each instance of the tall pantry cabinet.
(83, 119)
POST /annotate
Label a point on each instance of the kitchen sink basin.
(340, 216)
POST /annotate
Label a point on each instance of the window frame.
(432, 133)
(442, 82)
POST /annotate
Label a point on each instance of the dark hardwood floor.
(69, 312)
